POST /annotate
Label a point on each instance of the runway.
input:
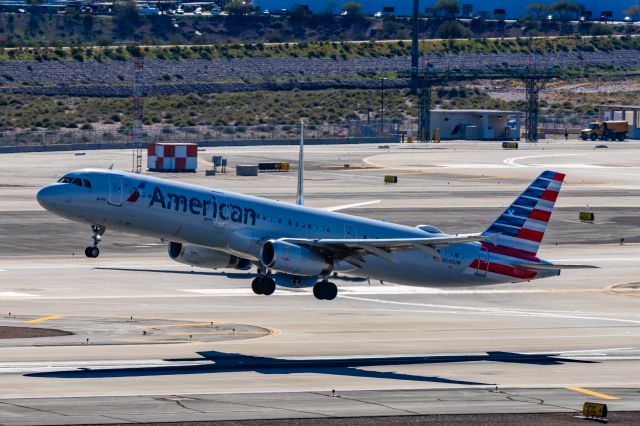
(387, 350)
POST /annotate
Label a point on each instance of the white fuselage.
(239, 224)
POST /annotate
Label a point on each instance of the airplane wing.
(351, 250)
(349, 206)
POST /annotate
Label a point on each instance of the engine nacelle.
(293, 259)
(205, 257)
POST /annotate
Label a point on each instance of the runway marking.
(200, 324)
(592, 393)
(199, 333)
(5, 294)
(43, 319)
(513, 161)
(159, 341)
(498, 311)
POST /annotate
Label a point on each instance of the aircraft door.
(349, 231)
(483, 262)
(222, 210)
(115, 190)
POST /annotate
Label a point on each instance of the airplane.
(302, 246)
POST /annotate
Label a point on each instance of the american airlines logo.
(211, 207)
(135, 195)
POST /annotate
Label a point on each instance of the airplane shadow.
(228, 362)
(232, 275)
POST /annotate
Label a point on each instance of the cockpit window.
(65, 179)
(77, 181)
(87, 184)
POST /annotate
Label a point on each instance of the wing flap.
(388, 243)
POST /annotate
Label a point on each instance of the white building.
(473, 124)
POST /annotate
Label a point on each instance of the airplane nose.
(48, 196)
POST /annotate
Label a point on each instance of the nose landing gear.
(93, 250)
(325, 290)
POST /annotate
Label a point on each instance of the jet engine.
(293, 259)
(205, 257)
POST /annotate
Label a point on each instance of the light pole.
(382, 79)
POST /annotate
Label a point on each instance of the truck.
(605, 130)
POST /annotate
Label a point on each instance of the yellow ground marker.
(43, 319)
(592, 393)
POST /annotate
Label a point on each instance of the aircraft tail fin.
(521, 226)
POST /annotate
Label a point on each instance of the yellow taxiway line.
(43, 319)
(592, 393)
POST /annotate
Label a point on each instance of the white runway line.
(513, 161)
(9, 294)
(499, 311)
(51, 366)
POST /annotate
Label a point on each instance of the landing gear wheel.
(92, 252)
(256, 285)
(317, 291)
(268, 286)
(263, 285)
(325, 290)
(331, 291)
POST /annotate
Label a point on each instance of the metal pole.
(382, 79)
(300, 192)
(414, 47)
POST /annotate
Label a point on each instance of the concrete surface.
(387, 350)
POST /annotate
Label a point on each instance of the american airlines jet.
(292, 244)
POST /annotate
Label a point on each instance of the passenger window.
(77, 182)
(87, 184)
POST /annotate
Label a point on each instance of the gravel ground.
(23, 76)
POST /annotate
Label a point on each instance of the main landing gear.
(93, 250)
(325, 290)
(263, 284)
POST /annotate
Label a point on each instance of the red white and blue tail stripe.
(521, 226)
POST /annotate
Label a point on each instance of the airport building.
(477, 124)
(491, 9)
(629, 113)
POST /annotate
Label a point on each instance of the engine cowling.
(293, 259)
(205, 257)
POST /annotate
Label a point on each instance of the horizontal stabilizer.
(550, 266)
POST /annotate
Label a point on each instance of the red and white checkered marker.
(172, 157)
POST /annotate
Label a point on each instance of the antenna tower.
(138, 93)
